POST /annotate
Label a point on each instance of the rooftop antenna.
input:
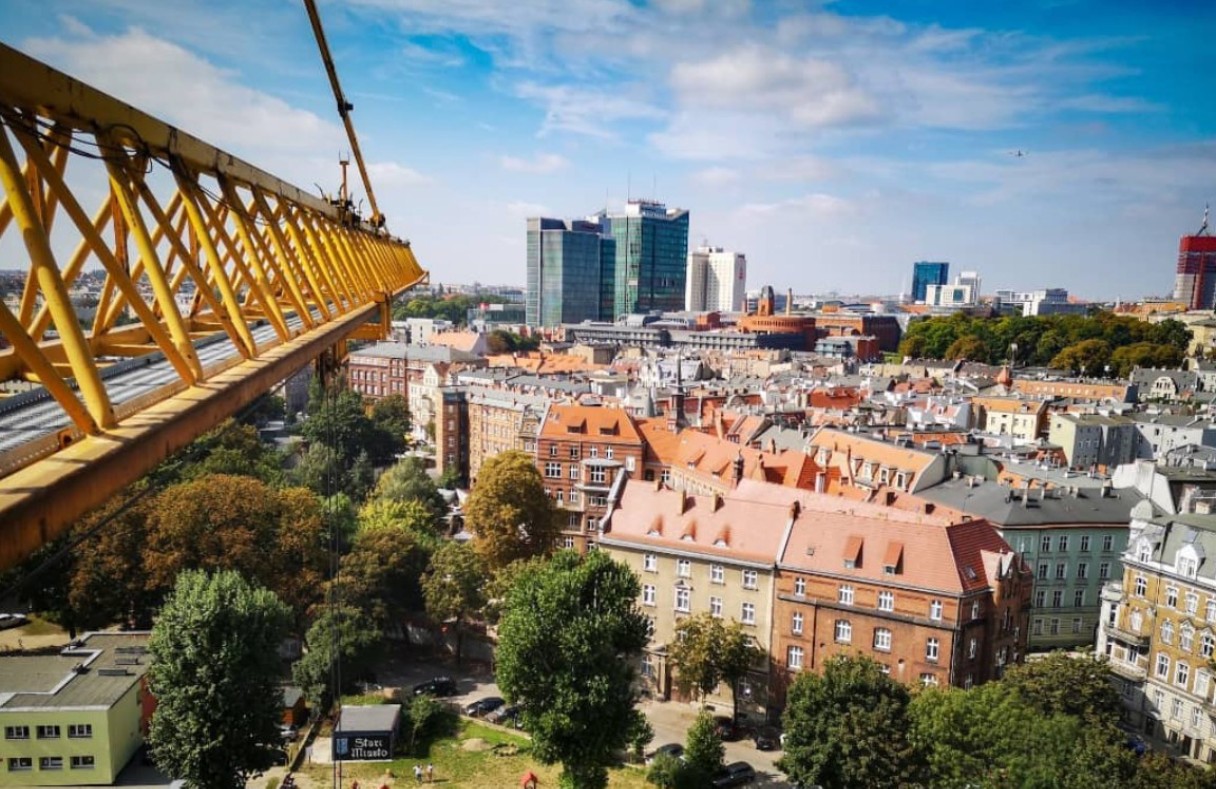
(344, 162)
(1203, 229)
(629, 186)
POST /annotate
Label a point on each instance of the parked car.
(439, 686)
(12, 620)
(727, 729)
(484, 706)
(507, 715)
(290, 733)
(767, 739)
(734, 774)
(673, 749)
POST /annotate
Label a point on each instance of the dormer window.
(1187, 567)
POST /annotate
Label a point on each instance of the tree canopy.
(454, 587)
(1041, 340)
(338, 630)
(708, 650)
(215, 676)
(565, 647)
(407, 480)
(848, 727)
(509, 511)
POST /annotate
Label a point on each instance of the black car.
(439, 686)
(484, 706)
(767, 739)
(507, 715)
(727, 729)
(735, 774)
(673, 749)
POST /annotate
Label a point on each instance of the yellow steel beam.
(38, 502)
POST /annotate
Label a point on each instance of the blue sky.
(834, 143)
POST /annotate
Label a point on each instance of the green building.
(569, 264)
(75, 718)
(651, 266)
(1071, 535)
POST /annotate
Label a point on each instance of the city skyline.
(1046, 146)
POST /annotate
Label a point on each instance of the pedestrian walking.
(418, 773)
(430, 773)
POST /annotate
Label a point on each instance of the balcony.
(1128, 671)
(1127, 636)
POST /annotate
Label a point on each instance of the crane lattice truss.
(220, 280)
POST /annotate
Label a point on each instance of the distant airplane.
(1018, 154)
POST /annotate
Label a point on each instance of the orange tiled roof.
(861, 447)
(662, 445)
(1009, 405)
(459, 340)
(610, 425)
(840, 399)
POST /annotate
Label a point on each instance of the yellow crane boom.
(344, 108)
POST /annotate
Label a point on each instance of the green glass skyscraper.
(651, 257)
(569, 262)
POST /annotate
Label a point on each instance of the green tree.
(215, 676)
(343, 631)
(1061, 683)
(381, 574)
(848, 727)
(428, 718)
(235, 448)
(969, 347)
(454, 588)
(704, 752)
(1088, 357)
(410, 515)
(391, 416)
(707, 651)
(408, 480)
(509, 511)
(565, 650)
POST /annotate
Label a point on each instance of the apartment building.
(1159, 631)
(77, 717)
(935, 601)
(1023, 420)
(696, 554)
(581, 453)
(1094, 440)
(867, 461)
(452, 432)
(1071, 537)
(501, 421)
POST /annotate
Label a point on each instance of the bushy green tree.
(509, 511)
(339, 630)
(849, 727)
(708, 650)
(408, 480)
(454, 588)
(704, 752)
(215, 676)
(565, 650)
(1062, 683)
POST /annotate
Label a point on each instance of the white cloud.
(394, 174)
(439, 56)
(590, 112)
(716, 176)
(524, 210)
(816, 204)
(541, 163)
(176, 85)
(810, 92)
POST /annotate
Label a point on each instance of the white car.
(12, 620)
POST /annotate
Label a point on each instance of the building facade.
(926, 273)
(1159, 631)
(452, 432)
(717, 280)
(1195, 281)
(651, 257)
(935, 602)
(566, 270)
(77, 717)
(582, 452)
(1093, 440)
(501, 421)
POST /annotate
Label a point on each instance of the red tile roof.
(590, 423)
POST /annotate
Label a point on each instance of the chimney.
(789, 302)
(1026, 494)
(737, 469)
(683, 501)
(929, 507)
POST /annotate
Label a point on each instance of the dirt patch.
(474, 744)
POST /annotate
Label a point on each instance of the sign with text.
(353, 747)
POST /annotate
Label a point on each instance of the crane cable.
(344, 108)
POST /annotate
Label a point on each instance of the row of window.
(886, 600)
(20, 764)
(49, 732)
(1182, 675)
(843, 634)
(1082, 570)
(592, 452)
(1052, 626)
(683, 603)
(1190, 599)
(1178, 711)
(1186, 638)
(1057, 598)
(717, 572)
(1063, 543)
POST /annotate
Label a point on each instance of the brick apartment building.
(501, 420)
(581, 452)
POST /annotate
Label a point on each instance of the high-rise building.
(970, 279)
(569, 271)
(651, 257)
(717, 280)
(924, 274)
(1195, 283)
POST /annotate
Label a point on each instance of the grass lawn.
(459, 766)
